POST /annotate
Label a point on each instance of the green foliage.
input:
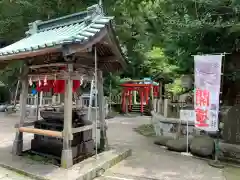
(175, 88)
(157, 62)
(157, 36)
(112, 84)
(9, 76)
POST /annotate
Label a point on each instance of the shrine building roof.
(54, 36)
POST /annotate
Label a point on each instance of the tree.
(191, 27)
(171, 29)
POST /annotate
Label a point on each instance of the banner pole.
(187, 136)
(187, 151)
(216, 163)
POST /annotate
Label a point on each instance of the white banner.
(207, 91)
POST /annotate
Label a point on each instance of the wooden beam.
(81, 129)
(59, 76)
(107, 59)
(100, 59)
(41, 132)
(47, 65)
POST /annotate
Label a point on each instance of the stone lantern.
(186, 81)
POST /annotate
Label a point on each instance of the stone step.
(144, 107)
(138, 105)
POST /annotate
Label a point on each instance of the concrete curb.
(89, 174)
(101, 168)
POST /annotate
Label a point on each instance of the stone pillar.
(35, 100)
(134, 97)
(107, 109)
(54, 99)
(165, 110)
(67, 158)
(35, 106)
(18, 142)
(58, 99)
(155, 105)
(41, 99)
(159, 110)
(79, 103)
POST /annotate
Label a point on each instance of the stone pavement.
(149, 161)
(39, 169)
(6, 174)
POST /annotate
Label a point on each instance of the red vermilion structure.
(144, 90)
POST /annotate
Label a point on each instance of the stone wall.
(172, 127)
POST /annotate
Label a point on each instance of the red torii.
(144, 91)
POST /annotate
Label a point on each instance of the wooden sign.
(187, 115)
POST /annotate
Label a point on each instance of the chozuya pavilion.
(67, 48)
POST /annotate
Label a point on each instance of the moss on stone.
(145, 130)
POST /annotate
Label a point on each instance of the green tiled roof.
(75, 28)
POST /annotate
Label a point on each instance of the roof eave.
(117, 49)
(29, 54)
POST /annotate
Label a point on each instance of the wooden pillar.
(18, 142)
(124, 101)
(147, 94)
(67, 159)
(130, 100)
(141, 101)
(103, 126)
(151, 94)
